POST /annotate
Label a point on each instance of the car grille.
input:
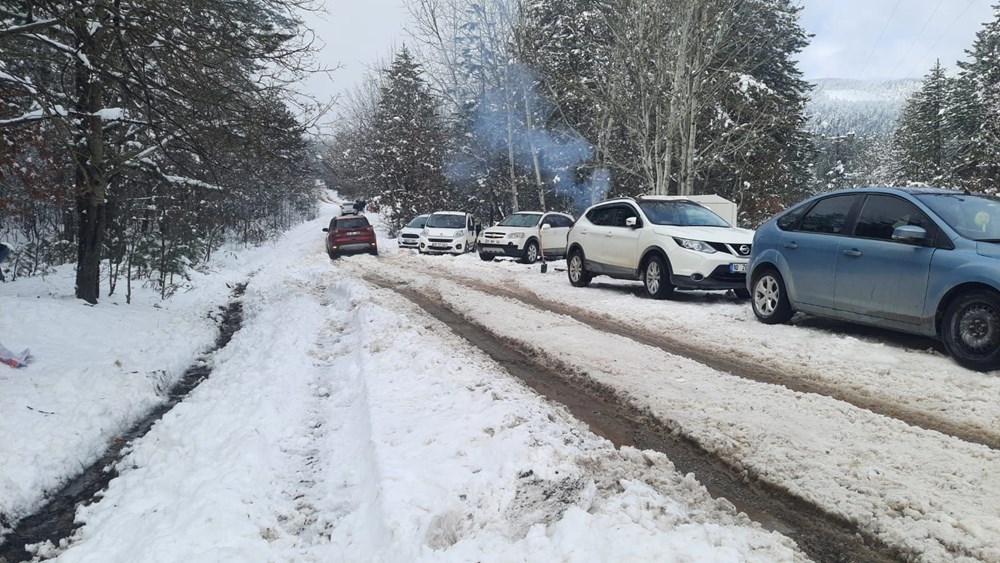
(409, 235)
(490, 235)
(440, 239)
(722, 273)
(735, 249)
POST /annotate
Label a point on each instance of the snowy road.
(344, 423)
(924, 493)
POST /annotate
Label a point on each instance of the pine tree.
(407, 145)
(921, 141)
(977, 111)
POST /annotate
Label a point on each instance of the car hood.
(731, 235)
(507, 230)
(988, 249)
(411, 230)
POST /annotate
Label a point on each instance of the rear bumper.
(356, 247)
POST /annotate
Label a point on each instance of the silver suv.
(667, 242)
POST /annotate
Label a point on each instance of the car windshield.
(974, 216)
(681, 213)
(417, 222)
(520, 220)
(446, 221)
(352, 223)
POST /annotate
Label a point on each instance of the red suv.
(350, 233)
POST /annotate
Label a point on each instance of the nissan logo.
(744, 249)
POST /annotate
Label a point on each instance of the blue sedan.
(919, 260)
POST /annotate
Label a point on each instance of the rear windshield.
(446, 221)
(352, 223)
(681, 213)
(521, 220)
(417, 222)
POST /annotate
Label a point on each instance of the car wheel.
(971, 330)
(578, 274)
(486, 257)
(656, 278)
(530, 255)
(769, 298)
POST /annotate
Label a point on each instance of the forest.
(138, 137)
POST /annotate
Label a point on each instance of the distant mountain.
(863, 107)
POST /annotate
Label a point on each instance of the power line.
(947, 29)
(914, 42)
(879, 40)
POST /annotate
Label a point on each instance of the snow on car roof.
(449, 213)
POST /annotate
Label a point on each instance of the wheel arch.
(953, 294)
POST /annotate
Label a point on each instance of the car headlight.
(516, 235)
(459, 234)
(696, 245)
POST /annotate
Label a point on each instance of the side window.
(602, 216)
(549, 220)
(828, 215)
(788, 221)
(562, 221)
(624, 213)
(881, 215)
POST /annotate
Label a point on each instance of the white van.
(449, 232)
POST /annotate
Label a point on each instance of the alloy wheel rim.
(978, 328)
(532, 253)
(653, 277)
(575, 267)
(765, 295)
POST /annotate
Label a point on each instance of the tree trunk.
(91, 165)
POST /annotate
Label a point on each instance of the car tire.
(486, 257)
(656, 278)
(769, 299)
(530, 254)
(576, 269)
(970, 330)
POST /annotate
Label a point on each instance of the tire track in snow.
(744, 368)
(907, 512)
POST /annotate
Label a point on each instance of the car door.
(878, 276)
(622, 240)
(554, 235)
(810, 249)
(593, 233)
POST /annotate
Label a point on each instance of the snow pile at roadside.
(342, 424)
(95, 371)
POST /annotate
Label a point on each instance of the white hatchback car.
(667, 242)
(409, 236)
(525, 235)
(448, 232)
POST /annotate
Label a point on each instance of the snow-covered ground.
(340, 424)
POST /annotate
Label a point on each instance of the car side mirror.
(546, 226)
(632, 222)
(909, 233)
(326, 230)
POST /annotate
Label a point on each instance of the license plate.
(353, 233)
(737, 268)
(441, 246)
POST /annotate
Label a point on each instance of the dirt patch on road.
(821, 536)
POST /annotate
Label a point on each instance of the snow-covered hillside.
(864, 107)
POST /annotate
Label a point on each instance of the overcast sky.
(853, 38)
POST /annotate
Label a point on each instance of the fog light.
(697, 277)
(458, 247)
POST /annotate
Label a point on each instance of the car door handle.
(609, 234)
(791, 245)
(852, 252)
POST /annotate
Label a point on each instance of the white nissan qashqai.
(667, 242)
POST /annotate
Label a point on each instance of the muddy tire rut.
(822, 536)
(746, 368)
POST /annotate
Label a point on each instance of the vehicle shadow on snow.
(829, 326)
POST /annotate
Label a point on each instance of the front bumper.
(509, 249)
(442, 246)
(720, 278)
